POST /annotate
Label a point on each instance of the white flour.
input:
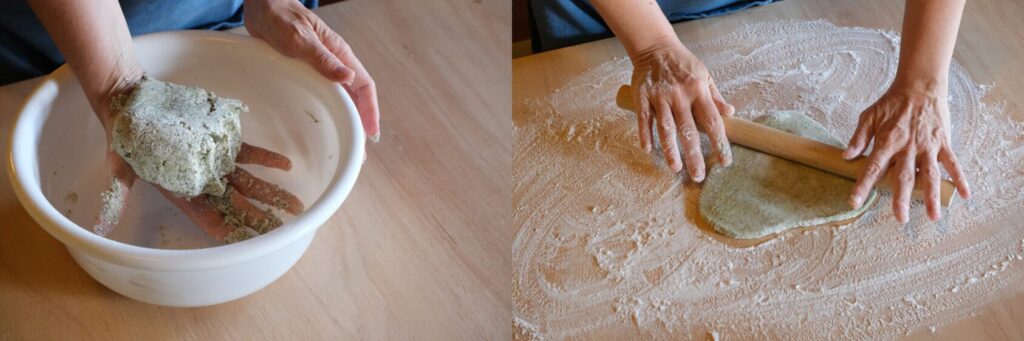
(607, 246)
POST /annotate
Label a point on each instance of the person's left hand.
(297, 32)
(910, 126)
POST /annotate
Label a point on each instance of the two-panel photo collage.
(519, 170)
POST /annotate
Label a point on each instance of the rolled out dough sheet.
(760, 194)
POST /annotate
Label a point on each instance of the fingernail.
(375, 137)
(698, 177)
(855, 201)
(847, 154)
(902, 219)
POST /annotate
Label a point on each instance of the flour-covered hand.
(297, 32)
(674, 91)
(203, 210)
(910, 127)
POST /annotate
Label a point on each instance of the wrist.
(923, 85)
(655, 45)
(101, 95)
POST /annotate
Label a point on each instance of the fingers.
(710, 121)
(644, 120)
(338, 48)
(365, 97)
(949, 161)
(929, 179)
(320, 57)
(202, 213)
(689, 138)
(861, 137)
(304, 42)
(724, 107)
(252, 216)
(361, 87)
(903, 182)
(265, 192)
(250, 154)
(239, 212)
(667, 132)
(876, 166)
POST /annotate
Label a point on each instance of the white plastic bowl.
(58, 146)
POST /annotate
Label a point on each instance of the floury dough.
(761, 194)
(182, 138)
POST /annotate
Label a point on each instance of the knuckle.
(369, 82)
(708, 120)
(933, 137)
(698, 79)
(905, 176)
(873, 169)
(299, 32)
(689, 134)
(344, 48)
(667, 126)
(323, 57)
(895, 135)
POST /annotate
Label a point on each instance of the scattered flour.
(110, 210)
(607, 247)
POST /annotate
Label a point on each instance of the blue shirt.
(561, 23)
(27, 51)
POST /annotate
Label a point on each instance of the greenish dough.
(760, 194)
(181, 138)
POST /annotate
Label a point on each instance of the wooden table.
(420, 250)
(990, 46)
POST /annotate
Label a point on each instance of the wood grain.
(990, 46)
(419, 250)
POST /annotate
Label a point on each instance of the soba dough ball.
(181, 138)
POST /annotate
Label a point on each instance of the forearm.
(94, 39)
(929, 35)
(639, 25)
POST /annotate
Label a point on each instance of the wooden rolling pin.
(797, 149)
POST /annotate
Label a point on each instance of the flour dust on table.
(608, 247)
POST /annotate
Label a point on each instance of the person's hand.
(910, 127)
(674, 91)
(198, 209)
(243, 185)
(297, 32)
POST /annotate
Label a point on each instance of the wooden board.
(421, 248)
(990, 47)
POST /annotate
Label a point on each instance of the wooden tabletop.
(990, 46)
(419, 250)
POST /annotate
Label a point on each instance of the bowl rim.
(23, 168)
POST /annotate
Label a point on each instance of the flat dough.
(760, 194)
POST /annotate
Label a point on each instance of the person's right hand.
(674, 90)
